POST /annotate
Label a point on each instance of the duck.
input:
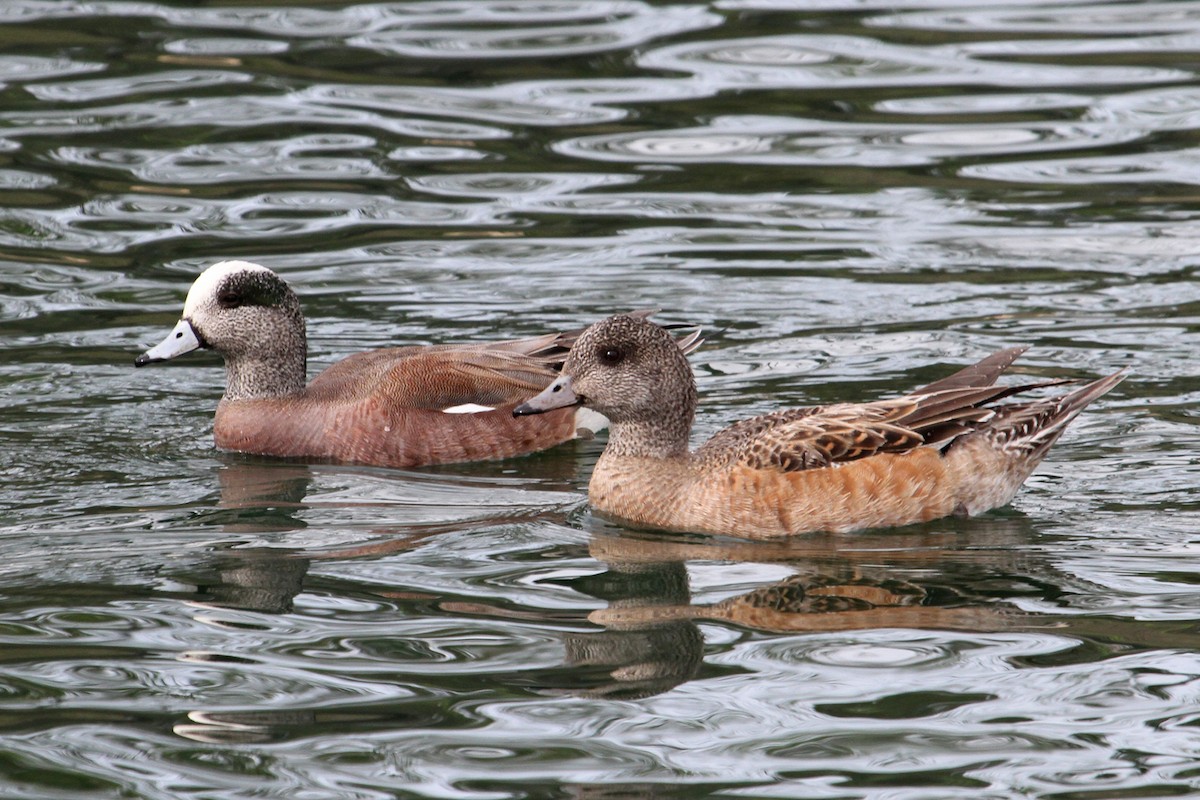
(949, 448)
(396, 407)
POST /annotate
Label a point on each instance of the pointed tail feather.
(688, 344)
(983, 373)
(1002, 452)
(948, 413)
(1034, 427)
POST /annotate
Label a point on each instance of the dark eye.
(612, 355)
(229, 299)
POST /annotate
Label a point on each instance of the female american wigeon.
(941, 450)
(396, 407)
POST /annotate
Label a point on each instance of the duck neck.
(661, 427)
(278, 370)
(649, 439)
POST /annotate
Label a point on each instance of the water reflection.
(652, 641)
(981, 576)
(1068, 19)
(489, 30)
(844, 192)
(301, 158)
(854, 62)
(252, 580)
(793, 142)
(377, 510)
(985, 579)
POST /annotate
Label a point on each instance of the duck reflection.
(839, 582)
(656, 594)
(647, 652)
(652, 641)
(263, 580)
(259, 498)
(273, 494)
(255, 499)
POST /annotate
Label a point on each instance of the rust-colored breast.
(884, 490)
(368, 433)
(384, 407)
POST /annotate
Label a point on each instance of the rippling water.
(851, 197)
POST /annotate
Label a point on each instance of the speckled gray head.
(222, 287)
(626, 368)
(250, 316)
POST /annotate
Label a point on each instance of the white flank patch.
(467, 408)
(588, 423)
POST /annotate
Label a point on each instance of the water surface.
(852, 198)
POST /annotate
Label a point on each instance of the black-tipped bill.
(182, 339)
(557, 395)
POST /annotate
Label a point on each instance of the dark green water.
(851, 197)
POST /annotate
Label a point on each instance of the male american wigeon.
(395, 407)
(943, 449)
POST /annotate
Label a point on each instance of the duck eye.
(229, 299)
(611, 356)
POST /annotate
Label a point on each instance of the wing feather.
(822, 436)
(449, 375)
